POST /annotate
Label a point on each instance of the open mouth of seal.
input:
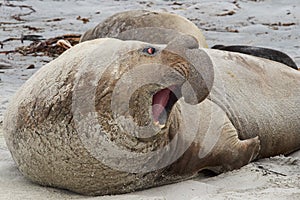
(163, 102)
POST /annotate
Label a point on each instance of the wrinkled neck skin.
(183, 165)
(122, 125)
(179, 145)
(189, 132)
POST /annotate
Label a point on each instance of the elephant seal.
(147, 26)
(111, 116)
(260, 52)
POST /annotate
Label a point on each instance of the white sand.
(274, 178)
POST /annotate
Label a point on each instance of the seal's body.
(111, 116)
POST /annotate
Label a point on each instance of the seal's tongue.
(159, 102)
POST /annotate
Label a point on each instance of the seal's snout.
(181, 43)
(183, 55)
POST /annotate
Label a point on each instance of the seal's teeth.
(161, 126)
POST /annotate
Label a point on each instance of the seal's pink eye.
(149, 50)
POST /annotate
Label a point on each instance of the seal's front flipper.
(233, 153)
(216, 146)
(267, 53)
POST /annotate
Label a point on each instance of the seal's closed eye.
(149, 50)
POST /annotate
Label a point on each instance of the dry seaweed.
(47, 47)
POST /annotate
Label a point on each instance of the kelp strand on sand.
(40, 47)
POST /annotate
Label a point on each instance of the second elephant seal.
(147, 26)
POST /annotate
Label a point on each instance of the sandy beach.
(273, 24)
